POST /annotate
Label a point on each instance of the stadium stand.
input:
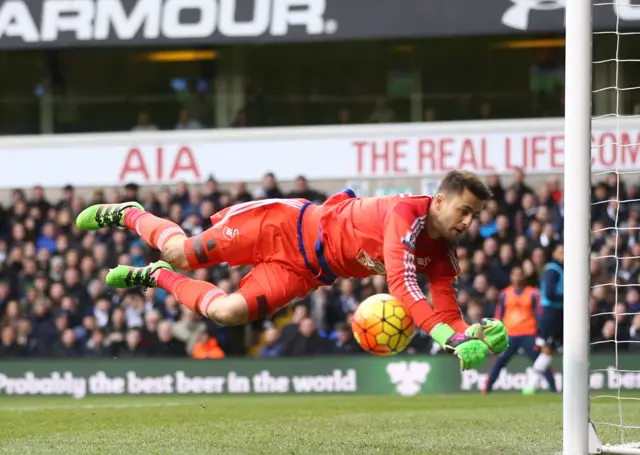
(54, 302)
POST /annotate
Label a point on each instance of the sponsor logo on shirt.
(229, 233)
(372, 264)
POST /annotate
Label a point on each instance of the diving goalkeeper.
(297, 246)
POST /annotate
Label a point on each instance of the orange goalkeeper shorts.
(275, 236)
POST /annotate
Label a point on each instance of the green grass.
(295, 425)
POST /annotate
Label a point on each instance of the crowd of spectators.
(54, 301)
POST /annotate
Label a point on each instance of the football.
(381, 326)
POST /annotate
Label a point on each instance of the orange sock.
(155, 231)
(195, 295)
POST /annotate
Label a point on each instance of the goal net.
(602, 367)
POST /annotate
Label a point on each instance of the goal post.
(577, 208)
(588, 426)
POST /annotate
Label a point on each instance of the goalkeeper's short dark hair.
(455, 182)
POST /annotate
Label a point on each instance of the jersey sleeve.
(404, 226)
(443, 273)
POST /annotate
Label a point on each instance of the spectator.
(206, 348)
(345, 302)
(272, 346)
(495, 185)
(306, 341)
(117, 331)
(171, 307)
(270, 188)
(345, 343)
(501, 268)
(167, 345)
(634, 333)
(632, 300)
(290, 331)
(382, 113)
(344, 116)
(53, 294)
(473, 239)
(504, 233)
(189, 328)
(96, 346)
(465, 278)
(25, 337)
(302, 191)
(84, 332)
(47, 238)
(488, 226)
(11, 314)
(133, 346)
(144, 122)
(241, 193)
(67, 346)
(10, 346)
(318, 302)
(605, 340)
(475, 312)
(102, 310)
(240, 120)
(134, 307)
(186, 122)
(529, 211)
(519, 185)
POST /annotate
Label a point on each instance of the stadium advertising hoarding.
(405, 376)
(327, 153)
(76, 23)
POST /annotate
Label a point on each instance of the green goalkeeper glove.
(469, 350)
(492, 332)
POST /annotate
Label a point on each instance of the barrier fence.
(405, 376)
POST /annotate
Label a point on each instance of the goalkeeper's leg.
(161, 234)
(266, 289)
(216, 245)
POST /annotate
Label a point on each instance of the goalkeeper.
(297, 246)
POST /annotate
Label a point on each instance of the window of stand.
(289, 84)
(23, 77)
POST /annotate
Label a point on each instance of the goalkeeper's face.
(456, 212)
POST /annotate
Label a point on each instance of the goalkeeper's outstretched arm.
(400, 264)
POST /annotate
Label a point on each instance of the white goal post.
(577, 232)
(580, 435)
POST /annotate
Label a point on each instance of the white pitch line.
(92, 406)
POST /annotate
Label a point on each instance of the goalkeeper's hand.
(492, 332)
(468, 349)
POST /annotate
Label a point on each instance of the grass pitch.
(295, 425)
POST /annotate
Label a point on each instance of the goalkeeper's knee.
(174, 253)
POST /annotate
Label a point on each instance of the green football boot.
(126, 276)
(104, 215)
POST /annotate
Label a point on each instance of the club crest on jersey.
(367, 261)
(409, 240)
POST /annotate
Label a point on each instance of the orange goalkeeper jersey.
(386, 235)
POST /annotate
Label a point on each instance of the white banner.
(338, 152)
